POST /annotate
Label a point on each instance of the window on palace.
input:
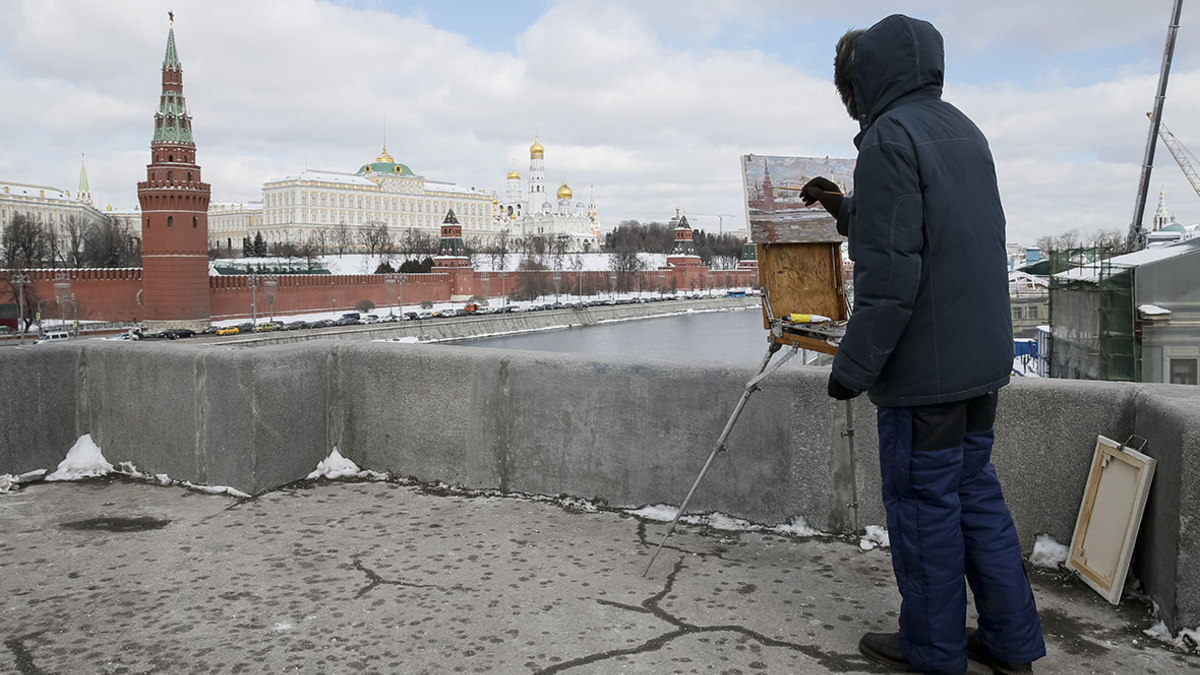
(170, 177)
(1033, 311)
(170, 221)
(304, 199)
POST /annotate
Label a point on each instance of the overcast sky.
(652, 103)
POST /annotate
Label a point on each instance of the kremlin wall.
(174, 288)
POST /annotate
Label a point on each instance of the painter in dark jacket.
(930, 341)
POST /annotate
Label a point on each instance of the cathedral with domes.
(527, 212)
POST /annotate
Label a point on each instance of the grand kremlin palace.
(322, 206)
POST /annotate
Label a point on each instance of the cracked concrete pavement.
(115, 577)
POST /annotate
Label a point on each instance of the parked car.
(53, 336)
(211, 330)
(354, 315)
(412, 316)
(264, 328)
(347, 320)
(296, 325)
(461, 312)
(424, 314)
(370, 319)
(180, 333)
(245, 327)
(228, 330)
(320, 323)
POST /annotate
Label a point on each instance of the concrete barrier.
(624, 432)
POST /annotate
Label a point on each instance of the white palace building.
(324, 206)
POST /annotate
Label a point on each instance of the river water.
(730, 338)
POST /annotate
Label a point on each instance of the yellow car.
(231, 330)
(264, 327)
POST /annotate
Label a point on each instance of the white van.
(53, 336)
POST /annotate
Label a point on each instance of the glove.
(837, 391)
(823, 190)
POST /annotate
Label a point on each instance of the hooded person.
(930, 341)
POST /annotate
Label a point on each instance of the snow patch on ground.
(1048, 553)
(1188, 640)
(408, 340)
(798, 527)
(336, 466)
(1153, 310)
(876, 536)
(84, 460)
(665, 513)
(282, 626)
(215, 489)
(7, 482)
(162, 479)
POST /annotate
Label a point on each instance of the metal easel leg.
(849, 436)
(751, 387)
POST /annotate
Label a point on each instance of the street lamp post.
(612, 285)
(392, 281)
(20, 280)
(253, 283)
(271, 283)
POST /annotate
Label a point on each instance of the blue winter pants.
(947, 520)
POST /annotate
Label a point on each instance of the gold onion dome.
(536, 150)
(513, 174)
(385, 157)
(564, 192)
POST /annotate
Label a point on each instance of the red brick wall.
(101, 294)
(301, 293)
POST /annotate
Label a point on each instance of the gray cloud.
(650, 121)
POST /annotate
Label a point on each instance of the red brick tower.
(175, 291)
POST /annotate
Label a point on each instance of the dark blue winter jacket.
(931, 319)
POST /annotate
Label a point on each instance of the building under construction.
(1131, 318)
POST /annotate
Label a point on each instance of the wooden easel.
(801, 277)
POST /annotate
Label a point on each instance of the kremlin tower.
(684, 253)
(174, 205)
(451, 251)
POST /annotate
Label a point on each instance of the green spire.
(83, 181)
(171, 60)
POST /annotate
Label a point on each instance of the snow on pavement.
(1048, 553)
(876, 536)
(84, 460)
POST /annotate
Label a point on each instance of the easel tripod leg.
(751, 387)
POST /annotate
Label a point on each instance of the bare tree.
(627, 264)
(375, 237)
(25, 243)
(342, 237)
(107, 244)
(74, 233)
(500, 251)
(417, 244)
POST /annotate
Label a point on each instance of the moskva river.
(729, 338)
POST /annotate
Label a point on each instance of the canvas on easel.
(799, 249)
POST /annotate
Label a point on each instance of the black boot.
(976, 651)
(884, 648)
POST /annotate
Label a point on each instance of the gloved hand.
(839, 392)
(821, 189)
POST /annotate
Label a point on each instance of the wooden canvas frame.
(1110, 516)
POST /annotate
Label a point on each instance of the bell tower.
(174, 201)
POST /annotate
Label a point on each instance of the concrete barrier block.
(1045, 438)
(1167, 554)
(142, 405)
(263, 414)
(37, 406)
(408, 409)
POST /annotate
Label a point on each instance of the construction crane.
(1180, 153)
(719, 216)
(1136, 240)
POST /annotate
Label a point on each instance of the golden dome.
(513, 174)
(564, 192)
(536, 150)
(385, 157)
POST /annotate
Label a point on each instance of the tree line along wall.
(116, 294)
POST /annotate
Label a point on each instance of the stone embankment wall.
(624, 432)
(467, 327)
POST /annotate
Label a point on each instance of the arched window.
(194, 221)
(170, 158)
(170, 177)
(147, 222)
(170, 221)
(189, 176)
